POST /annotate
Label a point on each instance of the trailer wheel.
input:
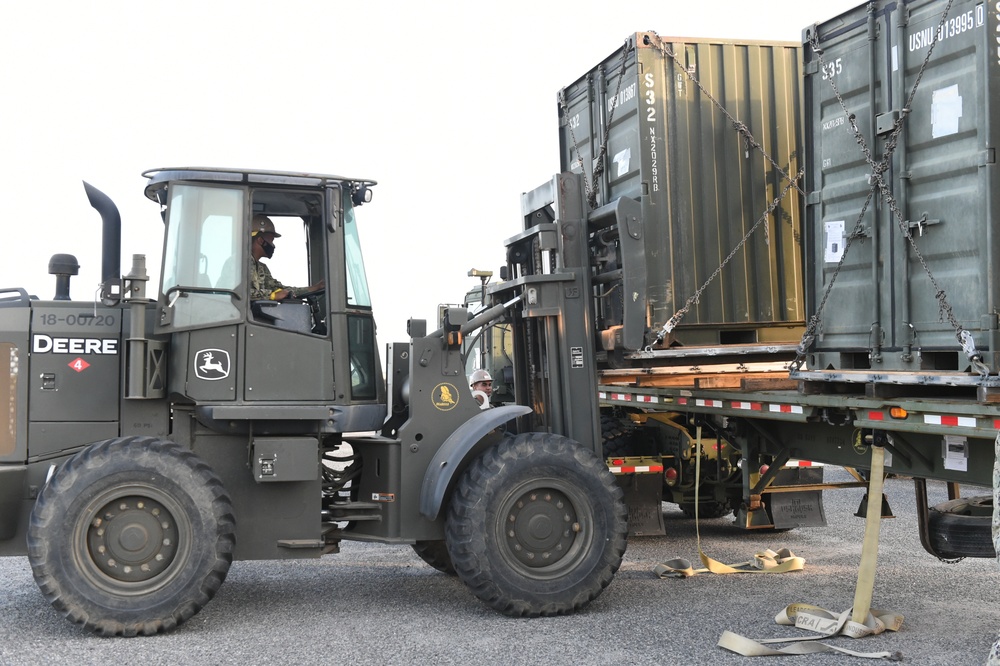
(618, 437)
(537, 526)
(435, 553)
(962, 527)
(706, 509)
(131, 536)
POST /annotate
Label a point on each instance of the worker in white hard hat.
(482, 386)
(262, 284)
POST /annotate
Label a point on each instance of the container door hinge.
(814, 197)
(811, 67)
(886, 122)
(876, 339)
(988, 156)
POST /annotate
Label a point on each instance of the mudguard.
(448, 459)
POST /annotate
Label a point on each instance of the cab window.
(356, 280)
(201, 254)
(298, 260)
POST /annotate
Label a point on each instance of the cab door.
(288, 344)
(283, 365)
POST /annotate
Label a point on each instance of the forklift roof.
(159, 177)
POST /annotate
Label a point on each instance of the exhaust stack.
(111, 244)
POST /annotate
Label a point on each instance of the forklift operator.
(263, 286)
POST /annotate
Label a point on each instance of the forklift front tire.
(537, 526)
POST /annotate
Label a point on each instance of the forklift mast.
(549, 272)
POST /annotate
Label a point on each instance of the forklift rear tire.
(435, 553)
(133, 535)
(537, 526)
(962, 527)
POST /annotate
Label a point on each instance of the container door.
(885, 311)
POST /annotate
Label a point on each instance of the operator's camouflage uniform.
(262, 283)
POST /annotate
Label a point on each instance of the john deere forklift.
(152, 441)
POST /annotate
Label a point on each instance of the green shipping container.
(883, 311)
(701, 182)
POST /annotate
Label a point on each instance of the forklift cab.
(227, 348)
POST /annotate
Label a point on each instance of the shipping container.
(902, 65)
(673, 123)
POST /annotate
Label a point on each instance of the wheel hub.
(132, 539)
(541, 527)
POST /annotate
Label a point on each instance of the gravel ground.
(376, 604)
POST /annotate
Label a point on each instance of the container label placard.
(622, 159)
(956, 453)
(946, 109)
(833, 234)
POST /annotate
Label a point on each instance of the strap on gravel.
(860, 620)
(826, 624)
(766, 561)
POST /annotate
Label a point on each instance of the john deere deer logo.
(211, 364)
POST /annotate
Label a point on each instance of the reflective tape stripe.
(960, 421)
(636, 469)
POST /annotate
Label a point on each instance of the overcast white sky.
(450, 106)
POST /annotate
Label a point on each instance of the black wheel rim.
(544, 527)
(132, 539)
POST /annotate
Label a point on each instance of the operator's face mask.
(267, 246)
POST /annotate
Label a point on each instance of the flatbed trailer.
(923, 437)
(945, 437)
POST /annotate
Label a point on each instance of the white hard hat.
(479, 376)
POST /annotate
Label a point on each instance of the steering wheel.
(312, 298)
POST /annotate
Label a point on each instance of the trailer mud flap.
(787, 509)
(801, 509)
(798, 509)
(644, 497)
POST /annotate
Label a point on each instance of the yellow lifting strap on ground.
(767, 561)
(856, 622)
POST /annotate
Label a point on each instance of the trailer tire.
(962, 527)
(435, 553)
(617, 437)
(537, 526)
(707, 510)
(131, 536)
